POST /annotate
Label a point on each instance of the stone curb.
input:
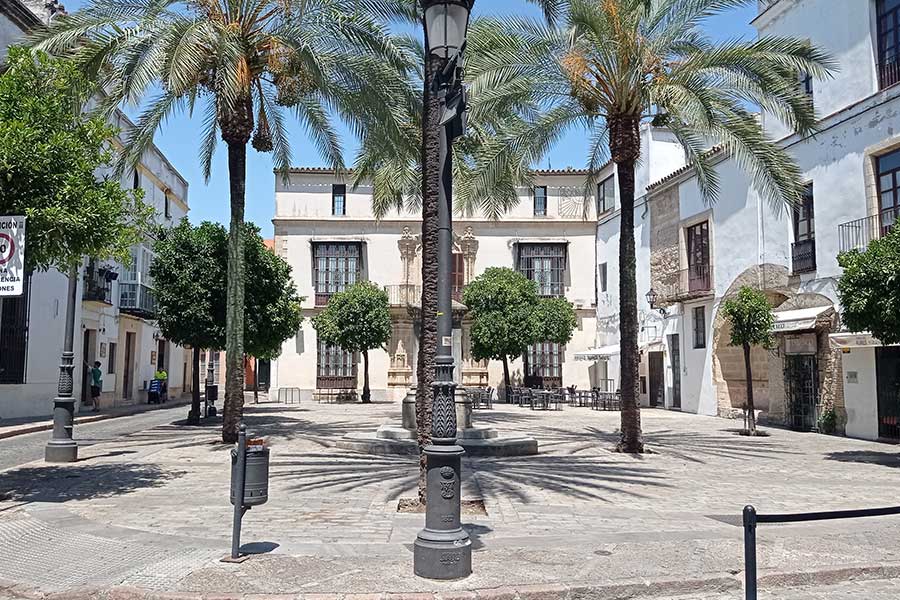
(634, 589)
(48, 425)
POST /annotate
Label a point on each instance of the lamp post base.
(442, 550)
(62, 448)
(62, 452)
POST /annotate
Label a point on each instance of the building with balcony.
(115, 307)
(698, 254)
(325, 229)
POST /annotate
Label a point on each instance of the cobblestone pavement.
(150, 509)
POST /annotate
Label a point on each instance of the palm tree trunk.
(367, 394)
(194, 414)
(234, 312)
(625, 146)
(751, 411)
(431, 182)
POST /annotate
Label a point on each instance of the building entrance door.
(657, 381)
(887, 375)
(802, 379)
(675, 348)
(128, 375)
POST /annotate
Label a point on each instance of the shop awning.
(854, 340)
(801, 319)
(606, 352)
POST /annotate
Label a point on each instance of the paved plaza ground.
(149, 513)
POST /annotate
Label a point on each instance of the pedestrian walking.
(96, 385)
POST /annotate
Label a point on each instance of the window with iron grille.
(14, 337)
(888, 190)
(111, 365)
(606, 195)
(337, 267)
(540, 201)
(699, 327)
(335, 367)
(806, 83)
(545, 360)
(545, 264)
(888, 42)
(339, 200)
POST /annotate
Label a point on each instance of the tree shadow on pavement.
(870, 457)
(62, 484)
(348, 472)
(525, 479)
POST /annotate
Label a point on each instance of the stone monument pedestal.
(477, 441)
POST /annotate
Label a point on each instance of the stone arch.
(728, 370)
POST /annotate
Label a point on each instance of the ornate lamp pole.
(62, 448)
(442, 549)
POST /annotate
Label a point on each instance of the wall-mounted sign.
(852, 377)
(102, 349)
(153, 357)
(12, 256)
(804, 343)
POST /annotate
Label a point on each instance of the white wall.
(861, 398)
(846, 30)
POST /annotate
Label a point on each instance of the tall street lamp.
(443, 549)
(62, 448)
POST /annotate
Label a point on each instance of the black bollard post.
(237, 495)
(750, 553)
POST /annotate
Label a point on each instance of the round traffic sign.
(7, 248)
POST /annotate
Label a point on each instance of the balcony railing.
(98, 284)
(693, 282)
(888, 73)
(405, 294)
(803, 256)
(137, 299)
(856, 235)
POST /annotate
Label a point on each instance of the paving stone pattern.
(150, 510)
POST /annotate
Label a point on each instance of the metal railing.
(752, 519)
(858, 234)
(888, 73)
(97, 284)
(137, 299)
(803, 256)
(407, 294)
(693, 282)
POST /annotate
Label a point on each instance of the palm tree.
(606, 66)
(249, 63)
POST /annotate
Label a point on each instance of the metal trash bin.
(256, 482)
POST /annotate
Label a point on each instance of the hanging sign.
(12, 256)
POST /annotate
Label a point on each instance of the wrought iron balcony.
(406, 294)
(803, 256)
(137, 299)
(856, 235)
(888, 73)
(693, 282)
(98, 284)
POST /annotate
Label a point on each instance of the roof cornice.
(20, 14)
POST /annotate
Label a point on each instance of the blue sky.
(209, 201)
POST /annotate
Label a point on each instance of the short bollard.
(750, 553)
(249, 484)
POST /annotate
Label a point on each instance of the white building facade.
(115, 304)
(325, 230)
(698, 254)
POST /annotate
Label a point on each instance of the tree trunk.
(367, 393)
(506, 384)
(625, 148)
(431, 182)
(751, 411)
(194, 414)
(255, 381)
(234, 316)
